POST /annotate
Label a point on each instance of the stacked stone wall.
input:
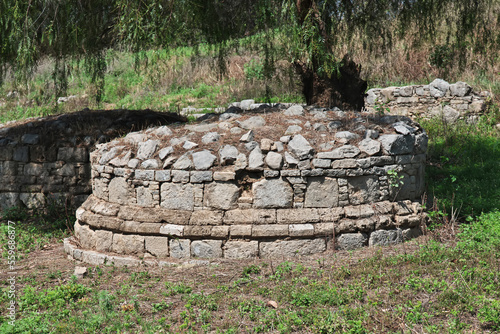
(32, 172)
(437, 99)
(47, 159)
(254, 186)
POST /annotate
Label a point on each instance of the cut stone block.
(241, 249)
(291, 248)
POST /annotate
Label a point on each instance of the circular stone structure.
(273, 182)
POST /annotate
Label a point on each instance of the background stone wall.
(157, 193)
(439, 98)
(47, 158)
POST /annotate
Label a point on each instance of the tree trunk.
(345, 91)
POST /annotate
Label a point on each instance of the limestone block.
(350, 241)
(355, 225)
(224, 176)
(197, 231)
(180, 176)
(300, 147)
(363, 189)
(33, 169)
(206, 217)
(180, 248)
(291, 248)
(241, 249)
(385, 237)
(346, 151)
(240, 230)
(172, 229)
(128, 244)
(295, 110)
(208, 249)
(93, 258)
(32, 200)
(297, 216)
(272, 193)
(221, 195)
(220, 231)
(254, 122)
(460, 88)
(394, 144)
(157, 246)
(301, 230)
(322, 192)
(86, 236)
(324, 229)
(147, 197)
(103, 240)
(154, 215)
(321, 163)
(177, 196)
(255, 160)
(200, 176)
(147, 149)
(369, 146)
(344, 163)
(359, 211)
(203, 160)
(274, 160)
(119, 191)
(270, 231)
(228, 154)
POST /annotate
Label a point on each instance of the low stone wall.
(439, 98)
(272, 183)
(48, 158)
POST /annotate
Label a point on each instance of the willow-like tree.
(313, 35)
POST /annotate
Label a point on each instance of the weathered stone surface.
(270, 230)
(293, 129)
(255, 160)
(147, 197)
(350, 241)
(450, 115)
(290, 159)
(147, 149)
(385, 237)
(128, 244)
(291, 248)
(200, 176)
(438, 88)
(221, 195)
(241, 162)
(363, 189)
(31, 139)
(197, 231)
(184, 162)
(346, 151)
(274, 160)
(220, 231)
(32, 200)
(180, 248)
(172, 230)
(250, 216)
(210, 137)
(297, 216)
(188, 145)
(241, 249)
(240, 230)
(119, 191)
(421, 142)
(272, 193)
(181, 176)
(228, 154)
(324, 229)
(346, 135)
(247, 137)
(207, 249)
(177, 196)
(301, 230)
(224, 176)
(245, 104)
(369, 146)
(295, 110)
(300, 147)
(322, 192)
(252, 123)
(321, 163)
(165, 152)
(103, 240)
(206, 217)
(397, 144)
(203, 160)
(411, 233)
(149, 164)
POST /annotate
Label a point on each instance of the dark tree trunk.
(345, 91)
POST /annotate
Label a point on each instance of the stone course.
(437, 99)
(208, 191)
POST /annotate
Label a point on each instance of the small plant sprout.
(395, 180)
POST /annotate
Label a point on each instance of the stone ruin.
(272, 182)
(437, 99)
